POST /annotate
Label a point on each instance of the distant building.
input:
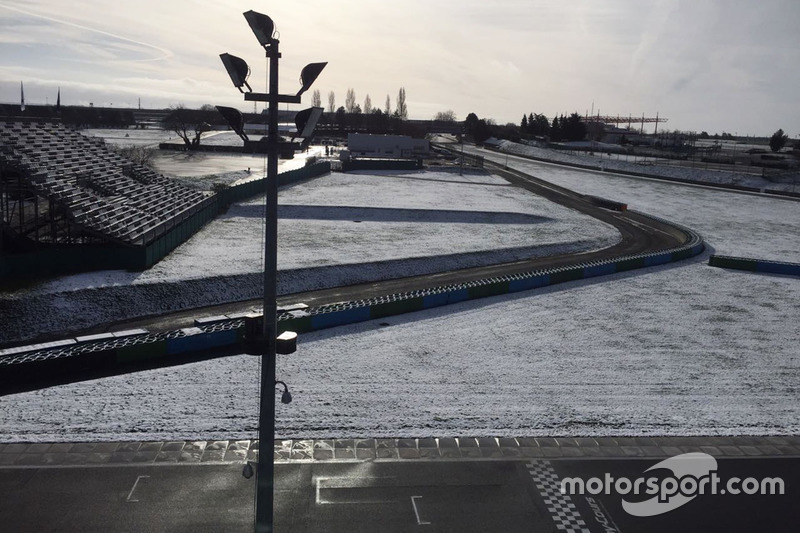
(386, 146)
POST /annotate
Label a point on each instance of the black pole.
(265, 471)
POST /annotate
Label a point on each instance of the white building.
(386, 146)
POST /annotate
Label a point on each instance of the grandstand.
(60, 188)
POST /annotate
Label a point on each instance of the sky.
(713, 65)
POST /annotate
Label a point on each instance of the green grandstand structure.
(69, 203)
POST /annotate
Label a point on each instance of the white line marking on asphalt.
(347, 483)
(420, 522)
(134, 488)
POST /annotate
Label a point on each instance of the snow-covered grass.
(610, 163)
(131, 136)
(395, 224)
(732, 223)
(676, 350)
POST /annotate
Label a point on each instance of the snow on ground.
(732, 223)
(395, 224)
(131, 136)
(609, 163)
(676, 350)
(200, 165)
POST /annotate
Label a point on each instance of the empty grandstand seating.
(100, 192)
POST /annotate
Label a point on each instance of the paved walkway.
(426, 449)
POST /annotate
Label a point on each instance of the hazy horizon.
(710, 65)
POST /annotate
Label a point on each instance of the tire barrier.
(124, 351)
(755, 265)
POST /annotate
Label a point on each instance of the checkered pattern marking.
(562, 510)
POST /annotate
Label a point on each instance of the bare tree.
(350, 101)
(141, 155)
(387, 110)
(367, 105)
(402, 109)
(331, 102)
(445, 116)
(189, 124)
(316, 99)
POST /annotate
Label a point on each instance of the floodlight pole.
(265, 471)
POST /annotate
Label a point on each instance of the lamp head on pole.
(309, 75)
(306, 120)
(237, 70)
(262, 26)
(234, 119)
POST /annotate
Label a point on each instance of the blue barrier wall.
(755, 265)
(117, 351)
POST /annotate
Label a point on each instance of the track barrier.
(126, 350)
(755, 265)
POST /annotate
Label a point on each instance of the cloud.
(498, 59)
(55, 23)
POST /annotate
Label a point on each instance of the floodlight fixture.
(262, 26)
(286, 396)
(306, 120)
(309, 74)
(237, 69)
(234, 119)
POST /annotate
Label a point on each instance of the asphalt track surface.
(639, 234)
(385, 496)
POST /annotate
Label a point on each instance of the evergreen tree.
(523, 126)
(778, 140)
(555, 130)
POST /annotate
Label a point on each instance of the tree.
(189, 124)
(538, 124)
(445, 116)
(331, 102)
(402, 109)
(141, 155)
(778, 140)
(523, 125)
(482, 131)
(350, 100)
(367, 105)
(470, 123)
(555, 130)
(387, 110)
(573, 128)
(316, 99)
(341, 118)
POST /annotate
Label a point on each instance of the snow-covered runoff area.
(338, 229)
(681, 349)
(611, 164)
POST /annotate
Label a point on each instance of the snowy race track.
(682, 349)
(335, 230)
